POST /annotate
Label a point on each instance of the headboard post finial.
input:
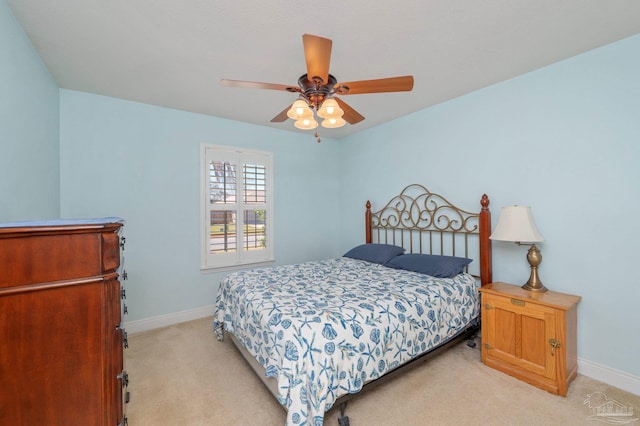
(484, 202)
(367, 221)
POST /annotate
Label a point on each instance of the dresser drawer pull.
(517, 302)
(124, 376)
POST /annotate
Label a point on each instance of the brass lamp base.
(538, 287)
(534, 284)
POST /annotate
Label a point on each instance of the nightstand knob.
(487, 306)
(555, 344)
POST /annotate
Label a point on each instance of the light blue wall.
(566, 141)
(29, 166)
(141, 162)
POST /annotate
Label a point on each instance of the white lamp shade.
(516, 224)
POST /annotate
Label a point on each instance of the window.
(237, 198)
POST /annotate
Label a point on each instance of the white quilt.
(323, 329)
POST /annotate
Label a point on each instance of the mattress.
(323, 329)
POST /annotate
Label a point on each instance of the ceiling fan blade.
(317, 52)
(257, 85)
(351, 116)
(392, 84)
(282, 116)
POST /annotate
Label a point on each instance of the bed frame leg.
(343, 420)
(472, 333)
(471, 340)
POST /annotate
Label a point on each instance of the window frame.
(240, 257)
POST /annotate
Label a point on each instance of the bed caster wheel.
(471, 343)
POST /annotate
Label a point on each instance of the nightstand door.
(521, 334)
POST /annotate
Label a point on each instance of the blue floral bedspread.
(325, 328)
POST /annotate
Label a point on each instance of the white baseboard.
(610, 376)
(147, 324)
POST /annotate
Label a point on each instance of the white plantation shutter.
(237, 207)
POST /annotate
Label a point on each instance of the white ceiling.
(174, 53)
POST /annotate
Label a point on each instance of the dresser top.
(62, 222)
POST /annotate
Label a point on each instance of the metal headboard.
(425, 222)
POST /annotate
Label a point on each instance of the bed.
(319, 333)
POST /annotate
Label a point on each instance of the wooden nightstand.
(530, 336)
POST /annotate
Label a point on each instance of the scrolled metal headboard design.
(425, 222)
(423, 211)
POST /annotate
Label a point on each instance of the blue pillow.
(376, 253)
(434, 265)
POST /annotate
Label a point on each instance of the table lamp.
(516, 224)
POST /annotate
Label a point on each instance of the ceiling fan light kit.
(302, 113)
(316, 90)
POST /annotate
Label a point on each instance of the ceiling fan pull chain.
(318, 136)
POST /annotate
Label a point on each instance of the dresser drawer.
(47, 256)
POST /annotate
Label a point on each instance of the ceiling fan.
(317, 86)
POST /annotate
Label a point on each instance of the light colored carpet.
(181, 375)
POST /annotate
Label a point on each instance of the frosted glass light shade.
(299, 109)
(306, 123)
(516, 224)
(332, 123)
(330, 109)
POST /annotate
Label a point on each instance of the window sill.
(228, 268)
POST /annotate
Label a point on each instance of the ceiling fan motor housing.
(314, 91)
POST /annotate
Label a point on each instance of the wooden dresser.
(62, 341)
(531, 336)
